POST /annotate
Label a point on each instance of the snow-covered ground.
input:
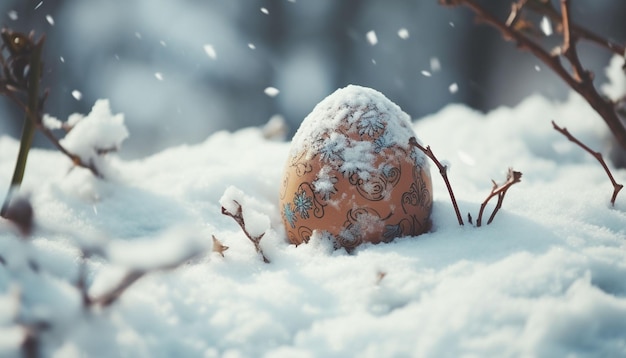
(547, 278)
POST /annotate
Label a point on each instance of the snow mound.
(546, 278)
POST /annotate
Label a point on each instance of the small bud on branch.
(238, 217)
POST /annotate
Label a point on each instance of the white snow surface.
(545, 279)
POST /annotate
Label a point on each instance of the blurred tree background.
(182, 69)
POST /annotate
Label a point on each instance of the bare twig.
(569, 50)
(112, 295)
(579, 80)
(616, 186)
(443, 171)
(133, 275)
(546, 8)
(499, 191)
(256, 240)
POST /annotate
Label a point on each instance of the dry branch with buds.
(22, 69)
(512, 177)
(499, 191)
(238, 217)
(578, 78)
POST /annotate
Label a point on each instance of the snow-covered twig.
(512, 177)
(238, 217)
(443, 171)
(616, 186)
(580, 80)
(76, 160)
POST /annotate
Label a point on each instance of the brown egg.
(352, 175)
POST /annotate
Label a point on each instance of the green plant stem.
(28, 131)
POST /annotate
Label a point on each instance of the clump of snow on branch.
(256, 221)
(95, 134)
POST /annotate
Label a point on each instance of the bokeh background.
(182, 69)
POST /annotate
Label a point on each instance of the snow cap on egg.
(331, 112)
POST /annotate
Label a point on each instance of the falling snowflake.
(271, 91)
(77, 95)
(371, 123)
(403, 33)
(210, 51)
(546, 26)
(290, 215)
(303, 204)
(371, 37)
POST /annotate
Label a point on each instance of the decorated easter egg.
(352, 175)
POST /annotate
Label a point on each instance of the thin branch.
(256, 240)
(133, 275)
(499, 191)
(112, 295)
(547, 9)
(568, 49)
(28, 131)
(443, 171)
(516, 12)
(616, 186)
